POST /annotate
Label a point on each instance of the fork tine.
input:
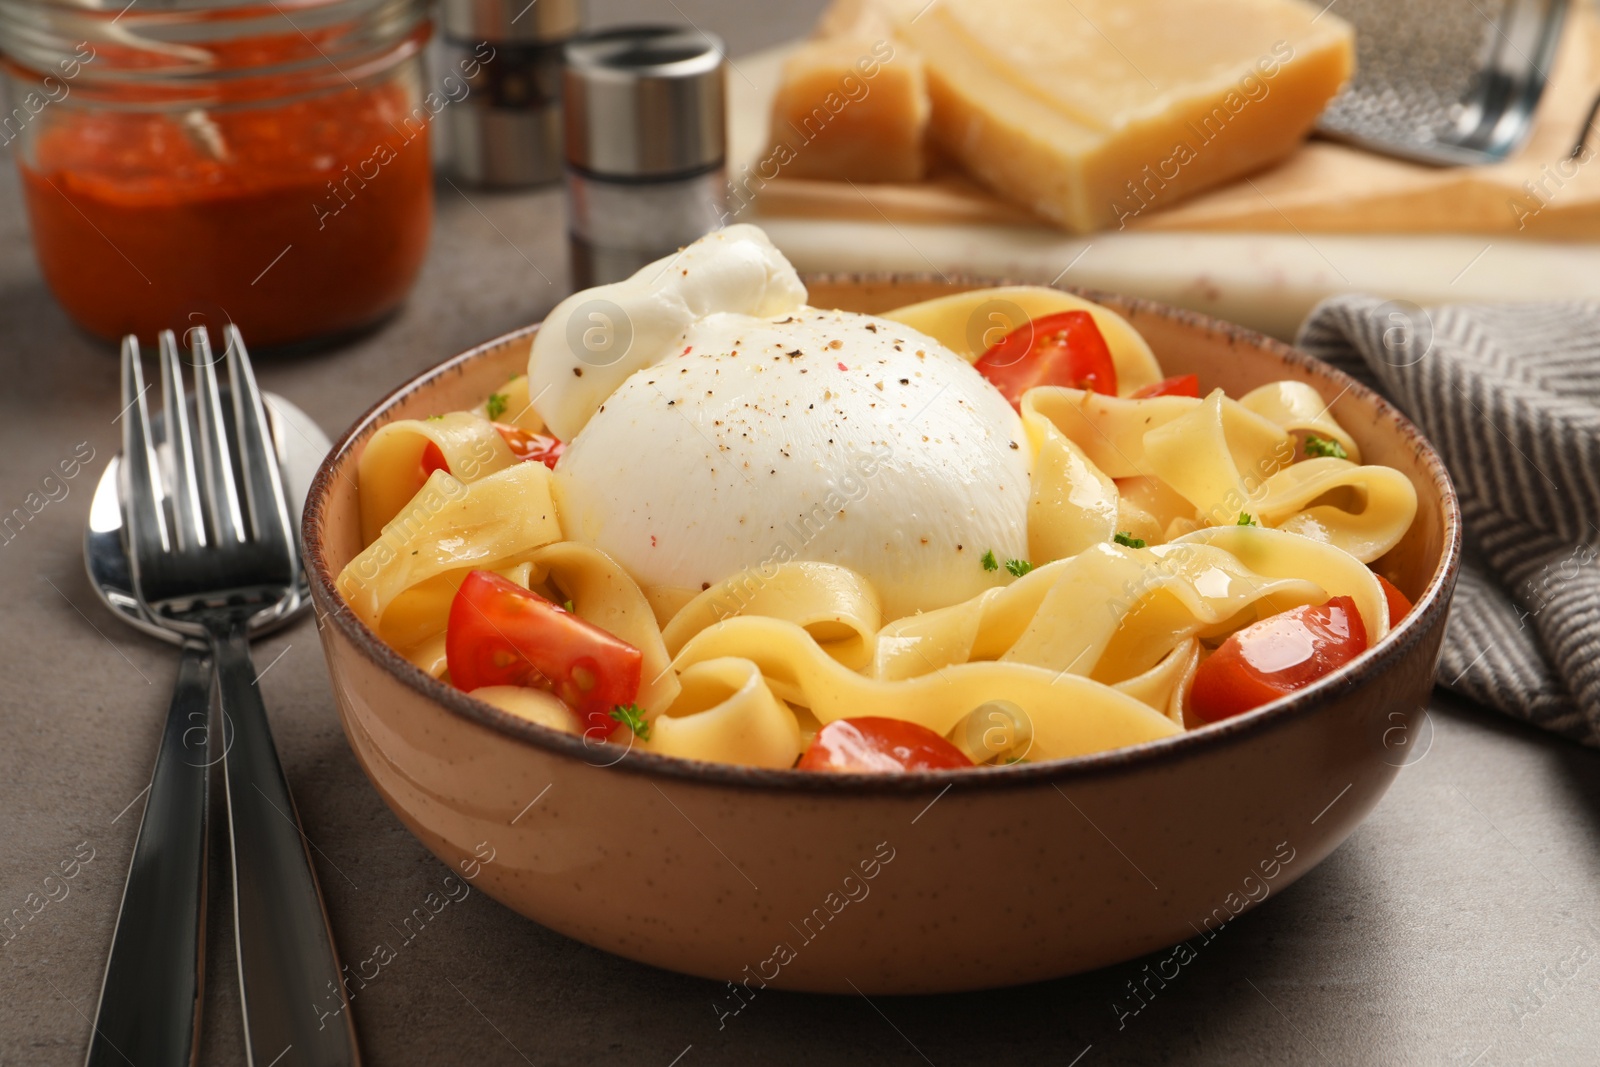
(141, 484)
(189, 530)
(258, 458)
(217, 493)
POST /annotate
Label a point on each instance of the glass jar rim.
(180, 46)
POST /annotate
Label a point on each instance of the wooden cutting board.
(1324, 187)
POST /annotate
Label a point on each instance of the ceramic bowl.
(925, 882)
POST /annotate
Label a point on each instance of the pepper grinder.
(646, 146)
(506, 132)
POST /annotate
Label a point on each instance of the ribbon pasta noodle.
(1156, 527)
(836, 606)
(390, 468)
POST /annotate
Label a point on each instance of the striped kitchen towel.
(1510, 396)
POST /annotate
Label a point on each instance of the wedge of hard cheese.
(1096, 111)
(850, 108)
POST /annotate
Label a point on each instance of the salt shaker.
(646, 146)
(506, 131)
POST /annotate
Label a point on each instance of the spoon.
(150, 997)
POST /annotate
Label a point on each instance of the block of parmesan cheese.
(1095, 112)
(850, 107)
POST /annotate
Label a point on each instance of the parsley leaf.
(1322, 446)
(1018, 567)
(568, 606)
(1245, 519)
(631, 716)
(435, 418)
(1128, 540)
(989, 562)
(496, 405)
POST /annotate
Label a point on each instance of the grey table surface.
(1459, 925)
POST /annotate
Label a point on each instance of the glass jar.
(191, 162)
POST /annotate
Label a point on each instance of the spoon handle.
(150, 999)
(291, 986)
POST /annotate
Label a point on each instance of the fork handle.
(296, 1011)
(149, 1009)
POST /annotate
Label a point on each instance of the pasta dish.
(714, 522)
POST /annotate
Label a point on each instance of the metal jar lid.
(645, 102)
(510, 21)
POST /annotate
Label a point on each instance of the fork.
(211, 548)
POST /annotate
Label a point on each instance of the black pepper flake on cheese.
(793, 354)
(1014, 444)
(671, 402)
(872, 326)
(905, 381)
(577, 372)
(704, 586)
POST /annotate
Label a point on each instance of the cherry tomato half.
(1275, 656)
(531, 446)
(1399, 605)
(433, 460)
(1181, 385)
(1061, 349)
(892, 746)
(502, 634)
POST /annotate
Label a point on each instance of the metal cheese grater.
(1445, 81)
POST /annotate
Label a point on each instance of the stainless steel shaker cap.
(510, 21)
(645, 102)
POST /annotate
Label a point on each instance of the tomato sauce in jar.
(276, 187)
